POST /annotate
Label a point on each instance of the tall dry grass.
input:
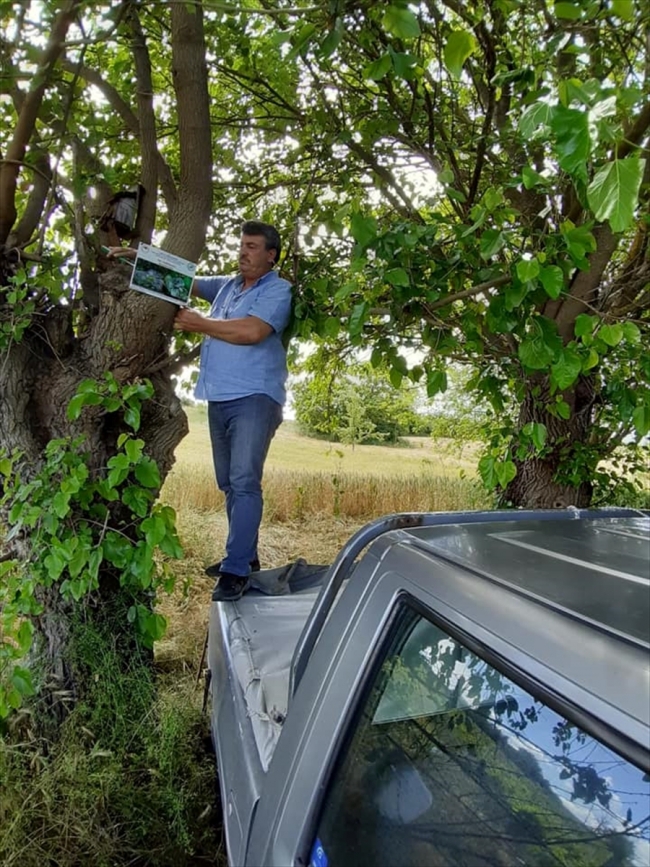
(291, 496)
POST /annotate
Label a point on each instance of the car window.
(451, 763)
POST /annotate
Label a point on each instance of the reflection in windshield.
(453, 764)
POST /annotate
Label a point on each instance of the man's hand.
(120, 252)
(191, 320)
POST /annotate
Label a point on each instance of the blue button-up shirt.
(229, 370)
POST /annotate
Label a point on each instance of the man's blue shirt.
(228, 370)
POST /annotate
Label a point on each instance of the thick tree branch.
(27, 118)
(148, 140)
(189, 217)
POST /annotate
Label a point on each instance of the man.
(242, 375)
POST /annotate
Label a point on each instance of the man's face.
(254, 259)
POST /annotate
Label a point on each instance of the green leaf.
(538, 434)
(552, 279)
(21, 679)
(75, 406)
(364, 229)
(396, 376)
(623, 9)
(531, 178)
(357, 318)
(527, 270)
(542, 345)
(133, 449)
(436, 382)
(61, 504)
(591, 360)
(397, 277)
(332, 41)
(505, 472)
(404, 65)
(376, 70)
(6, 466)
(614, 192)
(459, 46)
(563, 409)
(137, 499)
(535, 119)
(572, 140)
(491, 242)
(154, 529)
(641, 419)
(132, 417)
(569, 11)
(514, 294)
(585, 324)
(486, 468)
(631, 333)
(565, 371)
(146, 472)
(54, 564)
(611, 334)
(401, 22)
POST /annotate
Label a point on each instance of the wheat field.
(317, 494)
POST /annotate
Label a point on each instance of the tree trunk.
(537, 485)
(39, 376)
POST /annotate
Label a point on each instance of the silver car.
(468, 689)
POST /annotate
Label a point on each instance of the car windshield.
(451, 763)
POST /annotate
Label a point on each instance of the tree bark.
(536, 485)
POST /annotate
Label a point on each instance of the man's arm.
(244, 331)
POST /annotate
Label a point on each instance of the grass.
(308, 477)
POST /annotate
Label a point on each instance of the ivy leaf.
(146, 472)
(611, 334)
(614, 192)
(567, 369)
(401, 22)
(538, 433)
(631, 333)
(460, 45)
(585, 324)
(132, 417)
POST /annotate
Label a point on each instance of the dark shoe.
(230, 587)
(215, 570)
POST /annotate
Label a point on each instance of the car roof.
(595, 571)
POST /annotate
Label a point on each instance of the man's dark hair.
(270, 234)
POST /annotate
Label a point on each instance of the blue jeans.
(241, 431)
